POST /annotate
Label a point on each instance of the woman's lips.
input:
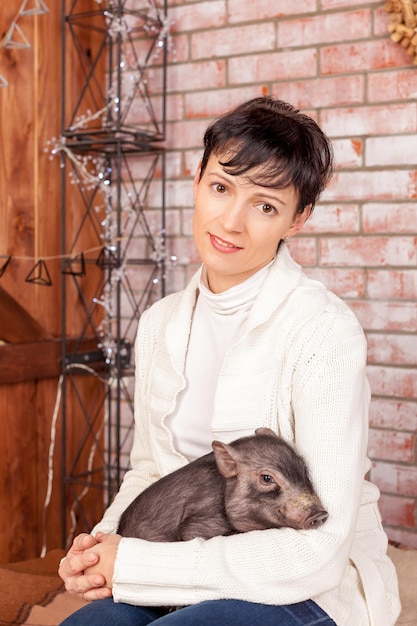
(223, 246)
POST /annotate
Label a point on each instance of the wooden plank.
(26, 429)
(31, 229)
(42, 359)
(16, 324)
(18, 475)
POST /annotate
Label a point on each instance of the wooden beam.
(16, 324)
(20, 362)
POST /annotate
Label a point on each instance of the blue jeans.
(208, 613)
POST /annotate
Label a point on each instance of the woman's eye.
(219, 188)
(267, 209)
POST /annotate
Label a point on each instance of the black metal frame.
(100, 143)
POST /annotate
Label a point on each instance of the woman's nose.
(233, 216)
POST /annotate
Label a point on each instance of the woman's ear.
(299, 221)
(197, 176)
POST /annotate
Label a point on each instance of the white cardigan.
(298, 369)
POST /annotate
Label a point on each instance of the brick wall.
(334, 59)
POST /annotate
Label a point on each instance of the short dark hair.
(285, 147)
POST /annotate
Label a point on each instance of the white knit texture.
(299, 368)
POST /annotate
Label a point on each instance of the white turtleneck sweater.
(218, 323)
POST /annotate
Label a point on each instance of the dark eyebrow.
(221, 176)
(274, 199)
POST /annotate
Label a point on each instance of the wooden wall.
(30, 314)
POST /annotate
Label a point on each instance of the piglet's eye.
(267, 479)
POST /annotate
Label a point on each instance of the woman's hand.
(104, 551)
(73, 570)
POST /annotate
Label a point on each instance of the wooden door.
(30, 299)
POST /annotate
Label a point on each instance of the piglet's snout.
(305, 511)
(315, 519)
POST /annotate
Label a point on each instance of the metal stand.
(113, 235)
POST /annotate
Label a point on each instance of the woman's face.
(237, 225)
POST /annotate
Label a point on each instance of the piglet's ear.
(225, 463)
(265, 431)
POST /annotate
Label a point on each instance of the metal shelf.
(109, 127)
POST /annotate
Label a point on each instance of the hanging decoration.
(33, 7)
(15, 37)
(403, 24)
(4, 264)
(74, 264)
(39, 275)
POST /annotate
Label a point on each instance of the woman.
(250, 342)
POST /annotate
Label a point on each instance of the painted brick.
(403, 537)
(394, 479)
(151, 201)
(398, 511)
(173, 222)
(368, 251)
(140, 167)
(338, 4)
(391, 150)
(239, 11)
(400, 84)
(138, 112)
(396, 349)
(324, 28)
(386, 316)
(378, 185)
(333, 218)
(183, 249)
(173, 165)
(190, 17)
(389, 445)
(346, 283)
(191, 161)
(180, 193)
(178, 49)
(272, 66)
(369, 120)
(394, 414)
(389, 218)
(137, 55)
(304, 250)
(323, 92)
(139, 282)
(175, 278)
(187, 222)
(197, 75)
(355, 57)
(215, 102)
(396, 382)
(186, 134)
(174, 108)
(348, 153)
(381, 21)
(232, 41)
(392, 284)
